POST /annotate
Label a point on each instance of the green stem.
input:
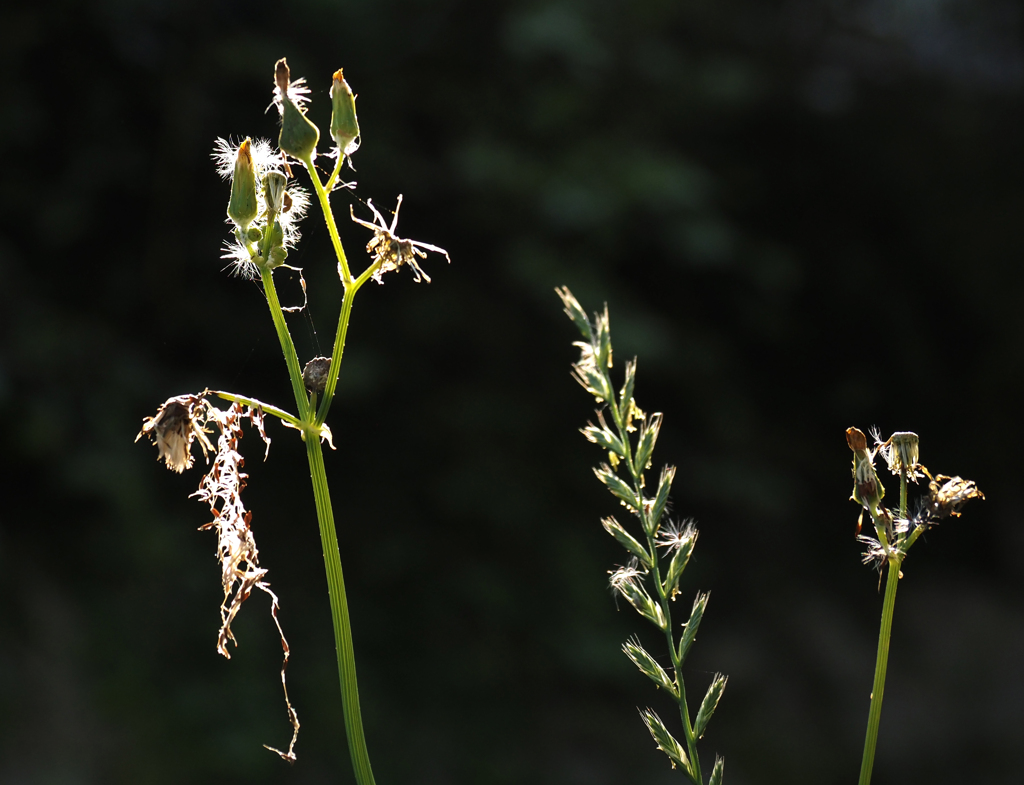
(266, 408)
(325, 518)
(291, 359)
(339, 340)
(881, 661)
(339, 614)
(334, 175)
(337, 353)
(677, 667)
(332, 228)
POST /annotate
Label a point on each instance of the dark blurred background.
(803, 216)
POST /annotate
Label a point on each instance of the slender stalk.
(290, 357)
(332, 227)
(339, 340)
(329, 186)
(882, 657)
(337, 353)
(881, 662)
(339, 615)
(677, 666)
(325, 516)
(266, 408)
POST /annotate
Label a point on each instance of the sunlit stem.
(882, 659)
(329, 185)
(266, 408)
(325, 514)
(290, 357)
(339, 340)
(881, 662)
(332, 227)
(339, 615)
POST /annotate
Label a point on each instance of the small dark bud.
(314, 375)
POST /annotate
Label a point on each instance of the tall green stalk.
(895, 559)
(339, 617)
(265, 209)
(660, 559)
(881, 662)
(894, 535)
(311, 423)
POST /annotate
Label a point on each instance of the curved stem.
(881, 662)
(339, 615)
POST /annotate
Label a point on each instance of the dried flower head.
(221, 489)
(946, 495)
(897, 531)
(902, 452)
(390, 251)
(178, 422)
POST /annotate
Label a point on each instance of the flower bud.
(277, 256)
(344, 124)
(867, 489)
(298, 135)
(242, 206)
(274, 185)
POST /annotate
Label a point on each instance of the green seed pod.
(242, 206)
(254, 235)
(344, 124)
(277, 256)
(298, 135)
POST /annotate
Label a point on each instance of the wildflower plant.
(264, 210)
(893, 533)
(649, 581)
